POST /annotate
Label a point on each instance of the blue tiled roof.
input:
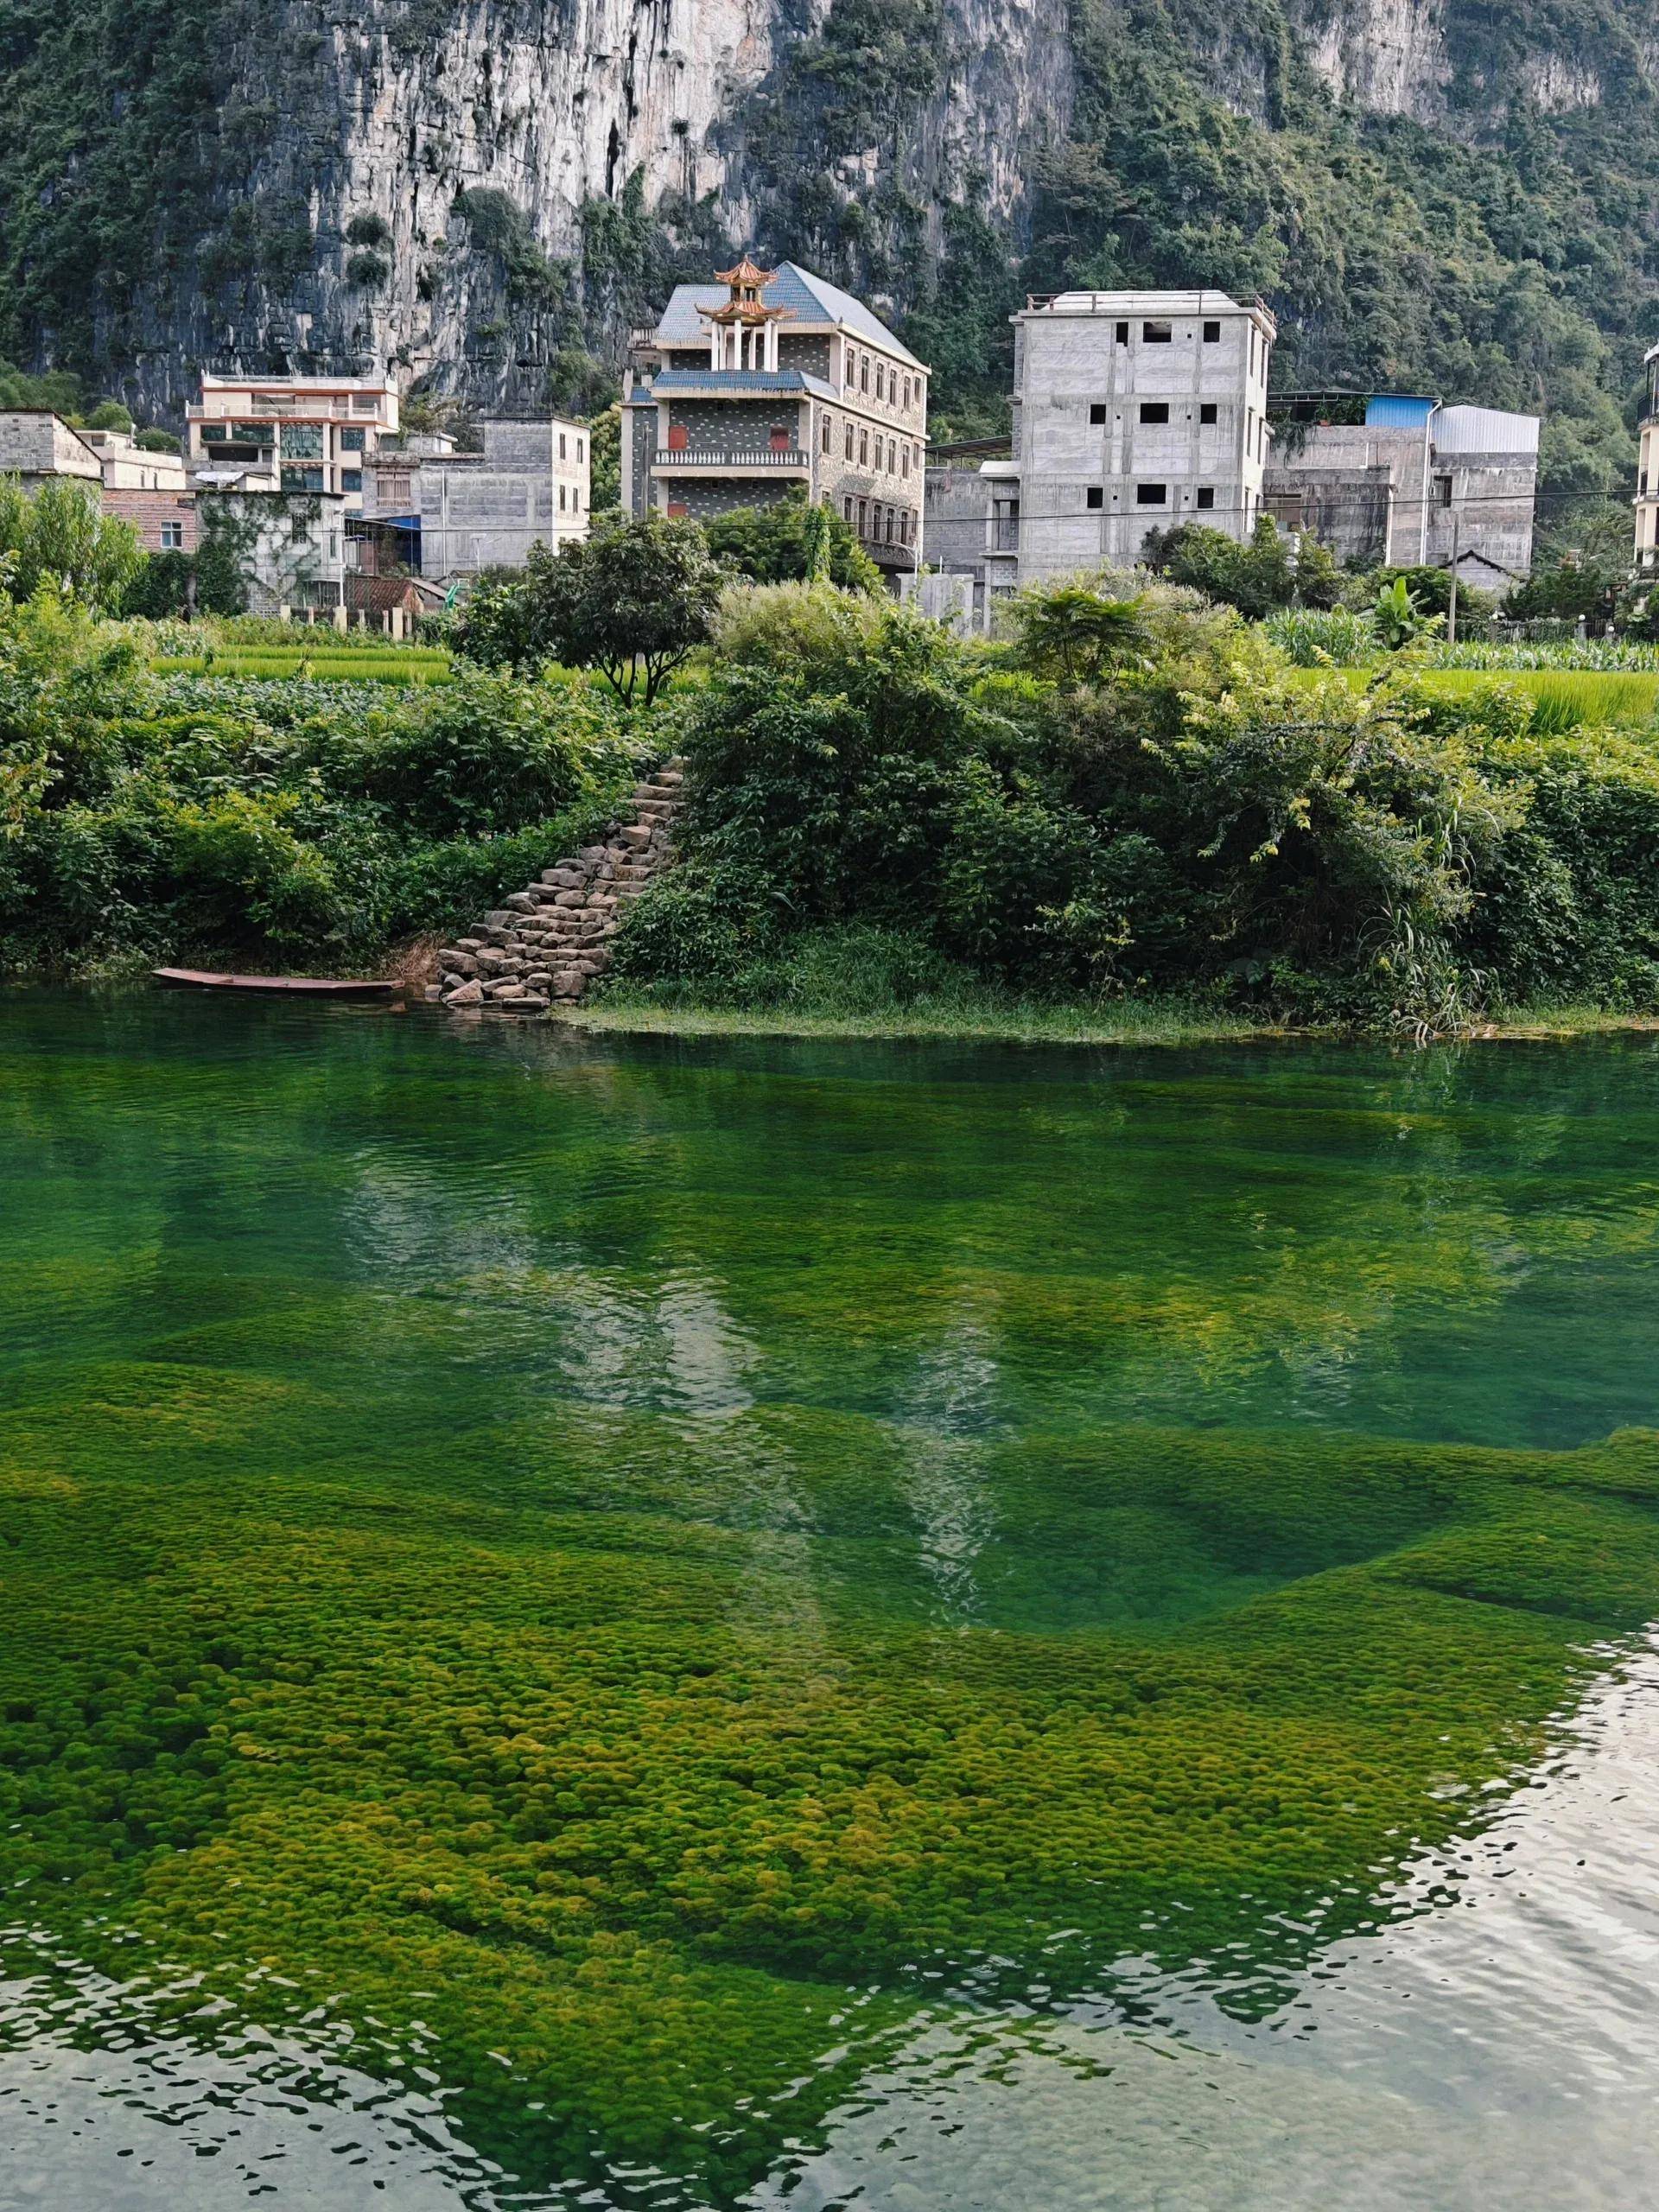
(739, 383)
(810, 298)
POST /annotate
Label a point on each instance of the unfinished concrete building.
(1398, 481)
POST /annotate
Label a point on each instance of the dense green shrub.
(172, 814)
(634, 600)
(791, 540)
(57, 534)
(1195, 817)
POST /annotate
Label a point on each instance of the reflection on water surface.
(628, 1624)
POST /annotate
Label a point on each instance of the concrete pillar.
(341, 619)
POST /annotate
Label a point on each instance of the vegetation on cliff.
(1490, 243)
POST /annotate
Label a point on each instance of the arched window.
(864, 447)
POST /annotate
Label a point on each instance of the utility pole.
(1452, 605)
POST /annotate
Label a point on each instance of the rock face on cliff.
(487, 192)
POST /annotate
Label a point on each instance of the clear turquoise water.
(832, 1565)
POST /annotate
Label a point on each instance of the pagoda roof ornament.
(746, 282)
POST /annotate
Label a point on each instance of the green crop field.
(1563, 698)
(338, 664)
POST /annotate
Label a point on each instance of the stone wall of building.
(35, 444)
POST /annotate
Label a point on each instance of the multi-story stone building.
(289, 434)
(770, 382)
(442, 512)
(1647, 477)
(1133, 412)
(1399, 480)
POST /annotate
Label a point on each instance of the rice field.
(395, 665)
(1562, 698)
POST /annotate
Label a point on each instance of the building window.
(581, 450)
(1157, 334)
(679, 438)
(881, 388)
(847, 508)
(906, 395)
(1152, 495)
(678, 511)
(1097, 410)
(1213, 334)
(350, 441)
(864, 372)
(561, 498)
(364, 402)
(781, 439)
(849, 442)
(889, 525)
(1205, 496)
(172, 537)
(1095, 496)
(1122, 333)
(827, 426)
(1154, 411)
(1208, 411)
(1443, 490)
(864, 448)
(561, 445)
(863, 507)
(904, 460)
(351, 479)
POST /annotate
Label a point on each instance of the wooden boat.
(309, 987)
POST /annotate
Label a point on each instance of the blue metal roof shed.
(1390, 410)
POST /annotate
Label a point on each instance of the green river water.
(634, 1623)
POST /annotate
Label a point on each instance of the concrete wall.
(958, 504)
(292, 544)
(1647, 498)
(1385, 495)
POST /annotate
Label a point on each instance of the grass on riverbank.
(983, 1014)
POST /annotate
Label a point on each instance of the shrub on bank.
(1196, 816)
(172, 816)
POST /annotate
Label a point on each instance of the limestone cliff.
(487, 192)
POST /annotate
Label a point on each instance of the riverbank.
(1019, 1020)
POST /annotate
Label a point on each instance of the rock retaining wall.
(545, 944)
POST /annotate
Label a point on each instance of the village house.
(289, 434)
(441, 513)
(1133, 412)
(1647, 475)
(773, 382)
(151, 491)
(1400, 481)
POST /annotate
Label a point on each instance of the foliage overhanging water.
(619, 1605)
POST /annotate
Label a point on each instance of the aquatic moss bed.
(636, 1579)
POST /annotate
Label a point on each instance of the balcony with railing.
(784, 460)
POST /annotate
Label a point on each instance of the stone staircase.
(545, 943)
